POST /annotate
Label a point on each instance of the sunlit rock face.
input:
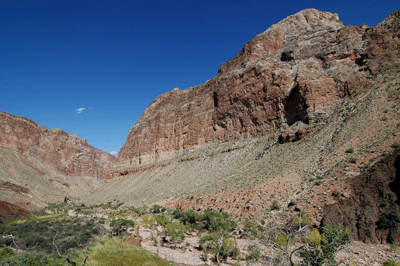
(54, 148)
(297, 70)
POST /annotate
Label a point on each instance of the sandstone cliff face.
(297, 70)
(67, 153)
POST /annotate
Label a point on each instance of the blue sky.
(91, 68)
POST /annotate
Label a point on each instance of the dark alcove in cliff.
(215, 98)
(295, 107)
(395, 185)
(287, 56)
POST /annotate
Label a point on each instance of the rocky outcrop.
(371, 211)
(10, 211)
(67, 153)
(294, 136)
(297, 70)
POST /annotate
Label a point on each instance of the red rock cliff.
(68, 153)
(296, 70)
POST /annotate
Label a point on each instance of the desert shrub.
(393, 246)
(140, 210)
(6, 254)
(396, 145)
(217, 221)
(120, 226)
(156, 209)
(322, 247)
(190, 217)
(219, 244)
(162, 219)
(350, 150)
(177, 214)
(38, 259)
(389, 219)
(72, 233)
(390, 263)
(251, 228)
(253, 253)
(176, 231)
(282, 240)
(148, 220)
(275, 206)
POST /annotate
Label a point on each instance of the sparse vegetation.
(390, 262)
(74, 233)
(275, 206)
(321, 248)
(120, 226)
(176, 231)
(253, 253)
(389, 219)
(396, 145)
(220, 244)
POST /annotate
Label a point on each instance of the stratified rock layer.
(67, 153)
(297, 70)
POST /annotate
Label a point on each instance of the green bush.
(39, 259)
(72, 233)
(156, 209)
(6, 253)
(396, 145)
(190, 217)
(390, 263)
(389, 219)
(217, 221)
(350, 150)
(275, 206)
(322, 247)
(220, 244)
(251, 228)
(253, 253)
(176, 231)
(162, 219)
(140, 210)
(120, 226)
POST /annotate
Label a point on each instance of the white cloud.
(115, 153)
(80, 110)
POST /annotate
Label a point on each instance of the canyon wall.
(297, 70)
(66, 153)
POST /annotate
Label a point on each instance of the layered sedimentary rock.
(297, 70)
(67, 153)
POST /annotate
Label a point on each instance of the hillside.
(298, 70)
(40, 166)
(304, 119)
(296, 118)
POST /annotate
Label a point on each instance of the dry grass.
(113, 251)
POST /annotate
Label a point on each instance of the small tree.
(251, 228)
(282, 237)
(162, 219)
(219, 243)
(217, 221)
(254, 253)
(120, 226)
(321, 248)
(176, 231)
